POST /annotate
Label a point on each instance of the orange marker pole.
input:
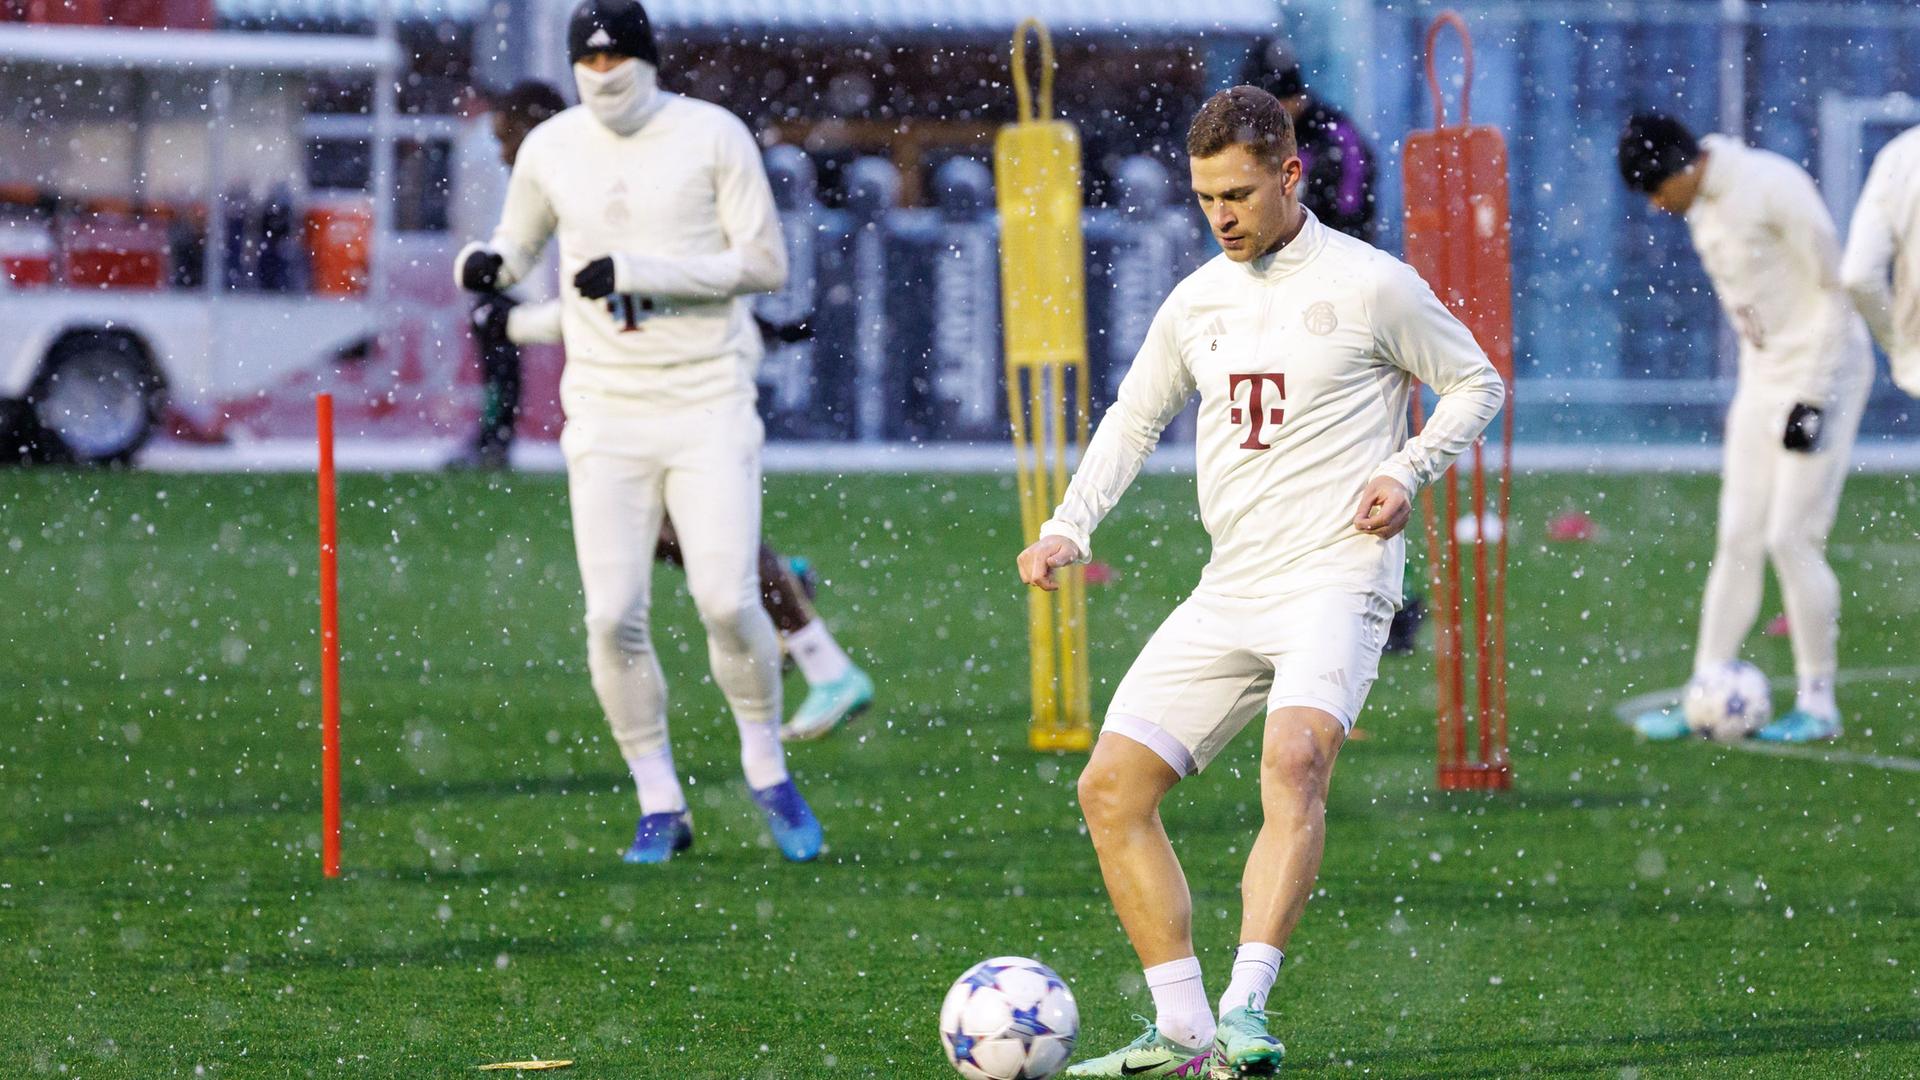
(329, 651)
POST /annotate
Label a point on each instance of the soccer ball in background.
(1009, 1018)
(1729, 702)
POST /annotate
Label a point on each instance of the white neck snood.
(621, 99)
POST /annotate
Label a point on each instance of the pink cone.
(1572, 527)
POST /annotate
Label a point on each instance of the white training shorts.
(1219, 662)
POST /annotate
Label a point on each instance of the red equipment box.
(339, 240)
(113, 252)
(26, 254)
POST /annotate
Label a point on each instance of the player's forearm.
(1905, 362)
(1156, 388)
(534, 324)
(719, 276)
(1874, 300)
(1417, 333)
(1113, 458)
(1864, 268)
(1466, 407)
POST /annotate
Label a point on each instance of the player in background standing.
(1805, 368)
(1885, 235)
(836, 687)
(1338, 188)
(513, 115)
(666, 224)
(1303, 345)
(1337, 163)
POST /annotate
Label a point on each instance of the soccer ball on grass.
(1009, 1018)
(1728, 702)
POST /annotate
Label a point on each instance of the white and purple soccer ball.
(1728, 702)
(1009, 1018)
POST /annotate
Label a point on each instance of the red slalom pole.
(329, 650)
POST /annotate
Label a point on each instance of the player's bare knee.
(1106, 796)
(1095, 793)
(1295, 762)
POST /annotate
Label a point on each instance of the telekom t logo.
(1255, 385)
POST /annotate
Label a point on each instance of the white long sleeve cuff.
(1067, 530)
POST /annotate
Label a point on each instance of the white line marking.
(1831, 757)
(1653, 699)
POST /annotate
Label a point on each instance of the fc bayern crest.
(1320, 319)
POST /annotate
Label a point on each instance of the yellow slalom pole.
(1043, 297)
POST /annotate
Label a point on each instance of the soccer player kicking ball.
(666, 223)
(1805, 369)
(1303, 345)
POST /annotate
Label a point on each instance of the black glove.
(489, 316)
(1803, 429)
(481, 272)
(595, 280)
(784, 333)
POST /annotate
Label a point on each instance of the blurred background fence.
(879, 115)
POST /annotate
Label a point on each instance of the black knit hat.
(1652, 148)
(619, 27)
(1271, 67)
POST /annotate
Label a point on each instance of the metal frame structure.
(1043, 296)
(1458, 235)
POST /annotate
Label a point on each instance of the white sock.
(658, 785)
(820, 658)
(1255, 967)
(761, 756)
(1180, 1002)
(1816, 696)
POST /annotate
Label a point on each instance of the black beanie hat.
(1271, 67)
(619, 27)
(1652, 148)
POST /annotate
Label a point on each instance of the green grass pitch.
(1628, 910)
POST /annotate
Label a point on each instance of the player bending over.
(1805, 368)
(1885, 235)
(666, 223)
(1303, 345)
(836, 687)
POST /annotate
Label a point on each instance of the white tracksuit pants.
(1778, 505)
(702, 467)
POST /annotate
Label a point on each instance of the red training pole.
(329, 651)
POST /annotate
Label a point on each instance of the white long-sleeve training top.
(1771, 249)
(1303, 360)
(684, 208)
(1885, 235)
(535, 324)
(475, 209)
